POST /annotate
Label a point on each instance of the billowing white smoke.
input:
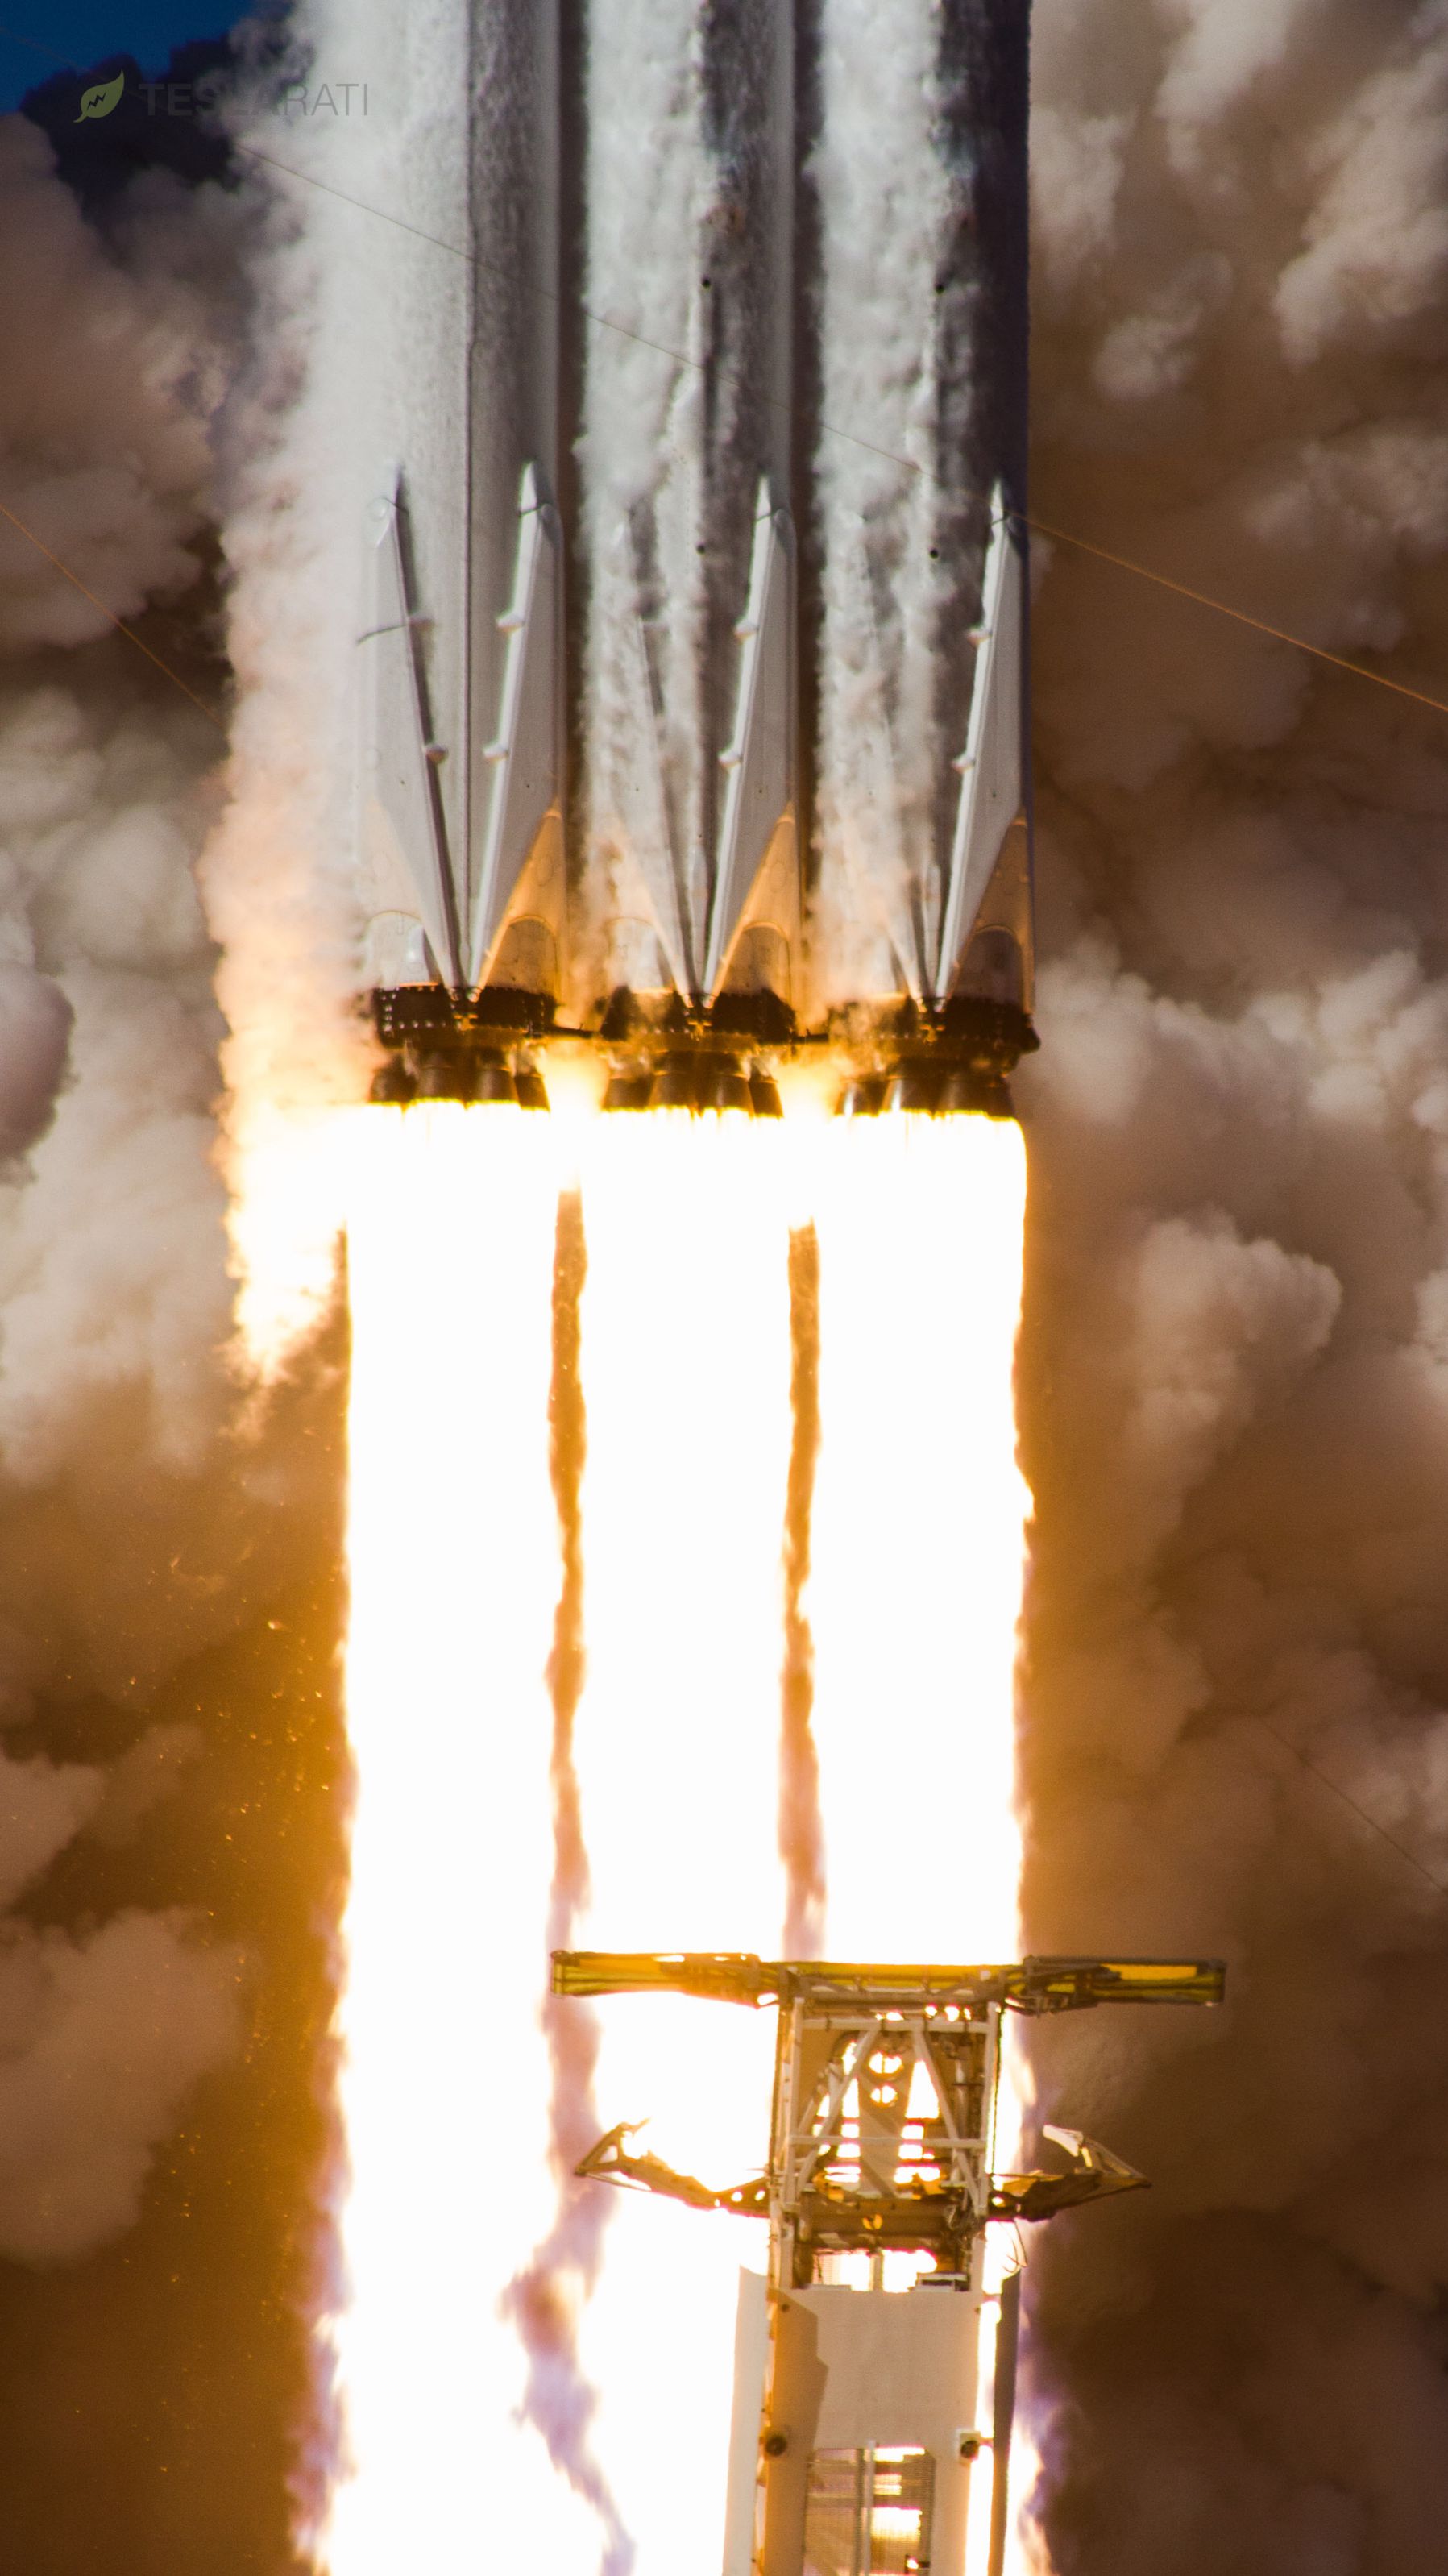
(113, 1289)
(1236, 1361)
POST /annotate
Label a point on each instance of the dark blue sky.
(38, 37)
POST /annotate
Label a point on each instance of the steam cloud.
(1238, 1322)
(1235, 1399)
(113, 1290)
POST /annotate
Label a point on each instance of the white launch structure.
(863, 2413)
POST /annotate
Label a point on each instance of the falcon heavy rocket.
(692, 686)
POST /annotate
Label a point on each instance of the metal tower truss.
(882, 2127)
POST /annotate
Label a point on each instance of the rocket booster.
(691, 672)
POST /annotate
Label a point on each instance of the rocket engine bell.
(612, 573)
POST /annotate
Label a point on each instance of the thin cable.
(680, 358)
(546, 295)
(909, 465)
(118, 622)
(1243, 617)
(1438, 1884)
(32, 47)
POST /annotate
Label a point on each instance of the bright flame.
(918, 1545)
(685, 1361)
(453, 1559)
(1027, 2553)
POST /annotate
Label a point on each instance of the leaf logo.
(100, 100)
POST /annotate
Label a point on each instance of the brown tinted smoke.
(1235, 1364)
(168, 1593)
(112, 1262)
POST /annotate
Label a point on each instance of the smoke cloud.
(1233, 1373)
(120, 1533)
(103, 2035)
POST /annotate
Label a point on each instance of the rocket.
(691, 669)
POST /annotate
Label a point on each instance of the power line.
(33, 47)
(119, 623)
(1439, 1885)
(1242, 616)
(677, 357)
(907, 464)
(547, 295)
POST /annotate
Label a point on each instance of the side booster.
(865, 2416)
(693, 692)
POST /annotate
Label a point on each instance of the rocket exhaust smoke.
(121, 1522)
(1232, 1380)
(1233, 1366)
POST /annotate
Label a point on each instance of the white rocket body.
(692, 678)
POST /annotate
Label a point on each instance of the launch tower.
(862, 2409)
